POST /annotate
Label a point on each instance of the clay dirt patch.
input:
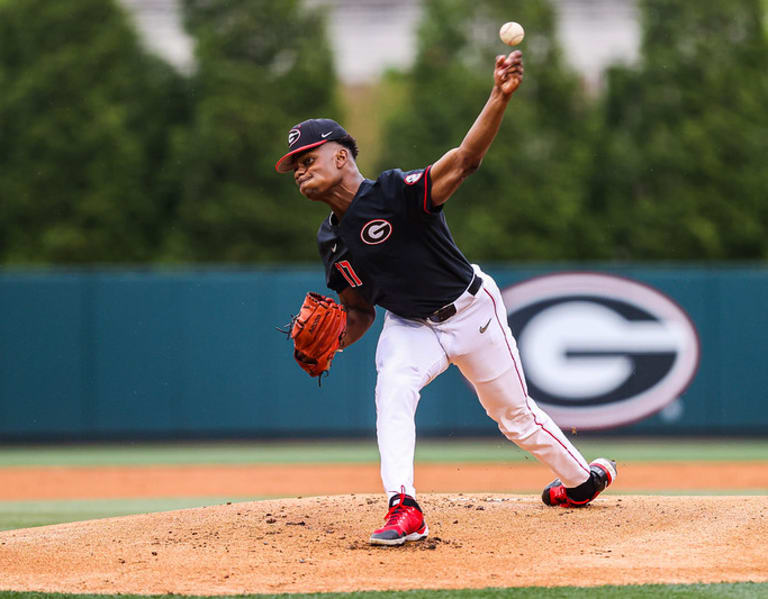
(320, 544)
(290, 480)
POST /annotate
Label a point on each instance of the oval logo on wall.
(598, 350)
(376, 231)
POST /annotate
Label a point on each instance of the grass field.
(695, 591)
(459, 450)
(20, 514)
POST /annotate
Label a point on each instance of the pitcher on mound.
(386, 243)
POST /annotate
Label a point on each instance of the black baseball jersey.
(394, 247)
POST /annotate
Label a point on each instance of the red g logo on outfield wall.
(598, 350)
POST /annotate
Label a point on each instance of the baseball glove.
(317, 332)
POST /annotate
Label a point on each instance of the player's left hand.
(317, 332)
(508, 73)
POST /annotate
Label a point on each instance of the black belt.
(446, 312)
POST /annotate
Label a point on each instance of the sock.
(407, 501)
(585, 491)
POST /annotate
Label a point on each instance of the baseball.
(511, 33)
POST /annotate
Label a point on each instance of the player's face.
(316, 171)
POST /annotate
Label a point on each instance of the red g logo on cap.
(293, 136)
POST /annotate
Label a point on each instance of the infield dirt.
(319, 544)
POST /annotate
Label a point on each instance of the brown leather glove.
(317, 332)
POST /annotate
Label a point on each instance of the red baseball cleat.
(404, 522)
(602, 472)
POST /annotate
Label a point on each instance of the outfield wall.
(87, 355)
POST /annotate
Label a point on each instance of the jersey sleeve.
(327, 246)
(416, 186)
(334, 279)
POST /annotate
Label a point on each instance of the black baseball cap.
(307, 135)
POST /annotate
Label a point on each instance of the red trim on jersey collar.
(283, 168)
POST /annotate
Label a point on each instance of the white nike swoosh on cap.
(326, 134)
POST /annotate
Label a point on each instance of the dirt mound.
(320, 544)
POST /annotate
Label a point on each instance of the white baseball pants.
(411, 353)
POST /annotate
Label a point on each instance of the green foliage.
(526, 199)
(84, 114)
(680, 169)
(262, 67)
(108, 155)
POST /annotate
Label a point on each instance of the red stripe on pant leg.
(509, 348)
(522, 385)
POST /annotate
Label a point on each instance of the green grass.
(744, 590)
(26, 514)
(22, 514)
(459, 450)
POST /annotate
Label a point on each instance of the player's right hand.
(508, 72)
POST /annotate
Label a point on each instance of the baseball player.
(386, 243)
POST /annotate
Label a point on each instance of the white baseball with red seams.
(478, 340)
(511, 33)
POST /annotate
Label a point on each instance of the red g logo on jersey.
(376, 231)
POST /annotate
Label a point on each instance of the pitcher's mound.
(321, 544)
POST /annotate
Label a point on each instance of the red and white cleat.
(404, 522)
(602, 473)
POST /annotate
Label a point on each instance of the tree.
(680, 163)
(526, 201)
(262, 66)
(84, 113)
